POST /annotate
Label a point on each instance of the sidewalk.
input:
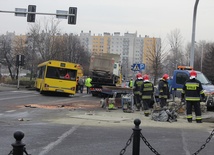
(6, 87)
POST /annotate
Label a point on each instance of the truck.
(104, 70)
(181, 74)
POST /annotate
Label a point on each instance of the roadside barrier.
(137, 135)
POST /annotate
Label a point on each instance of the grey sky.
(155, 18)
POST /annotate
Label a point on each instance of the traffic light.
(31, 17)
(72, 19)
(20, 60)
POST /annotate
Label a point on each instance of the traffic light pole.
(39, 13)
(18, 79)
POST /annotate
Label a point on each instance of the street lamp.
(193, 34)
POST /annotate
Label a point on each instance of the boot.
(189, 120)
(146, 114)
(199, 121)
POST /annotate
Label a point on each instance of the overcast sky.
(155, 18)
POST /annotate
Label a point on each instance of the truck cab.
(181, 75)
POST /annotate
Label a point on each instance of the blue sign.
(139, 67)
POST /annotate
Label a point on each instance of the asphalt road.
(56, 125)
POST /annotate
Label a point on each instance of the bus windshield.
(61, 73)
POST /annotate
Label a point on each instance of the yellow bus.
(56, 76)
(79, 71)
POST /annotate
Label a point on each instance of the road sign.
(139, 67)
(64, 14)
(20, 12)
(142, 66)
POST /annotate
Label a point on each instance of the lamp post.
(193, 34)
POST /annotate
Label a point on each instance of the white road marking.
(8, 98)
(50, 146)
(185, 146)
(10, 111)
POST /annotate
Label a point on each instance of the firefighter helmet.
(146, 77)
(139, 75)
(165, 76)
(193, 74)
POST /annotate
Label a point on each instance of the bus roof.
(57, 63)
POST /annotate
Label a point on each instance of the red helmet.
(146, 77)
(193, 74)
(139, 75)
(165, 76)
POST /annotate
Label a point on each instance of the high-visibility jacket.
(88, 82)
(137, 86)
(192, 90)
(147, 90)
(163, 89)
(131, 83)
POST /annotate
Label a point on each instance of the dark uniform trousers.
(137, 98)
(189, 105)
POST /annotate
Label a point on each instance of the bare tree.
(19, 48)
(155, 57)
(49, 44)
(6, 52)
(177, 56)
(208, 61)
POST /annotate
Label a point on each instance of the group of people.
(143, 93)
(192, 94)
(81, 82)
(143, 90)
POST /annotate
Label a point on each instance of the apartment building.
(131, 47)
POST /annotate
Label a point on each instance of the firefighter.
(193, 92)
(147, 91)
(163, 89)
(137, 88)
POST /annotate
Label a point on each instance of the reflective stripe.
(162, 96)
(202, 92)
(192, 98)
(137, 92)
(198, 118)
(189, 116)
(146, 97)
(191, 86)
(147, 89)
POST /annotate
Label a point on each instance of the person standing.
(163, 89)
(193, 92)
(77, 85)
(137, 91)
(131, 83)
(81, 84)
(147, 91)
(88, 84)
